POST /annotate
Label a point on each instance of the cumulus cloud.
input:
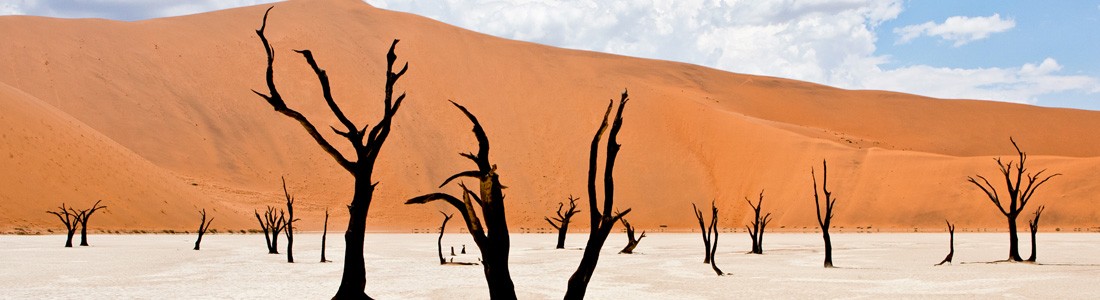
(825, 41)
(119, 9)
(958, 29)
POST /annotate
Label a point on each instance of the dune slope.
(172, 96)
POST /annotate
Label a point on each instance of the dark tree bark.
(324, 237)
(703, 228)
(601, 223)
(367, 147)
(439, 242)
(563, 220)
(951, 254)
(274, 224)
(710, 236)
(69, 220)
(203, 226)
(1034, 224)
(756, 232)
(265, 228)
(631, 242)
(83, 217)
(1018, 194)
(288, 225)
(825, 221)
(492, 238)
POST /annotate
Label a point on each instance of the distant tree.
(1034, 224)
(288, 224)
(274, 224)
(710, 235)
(324, 237)
(756, 232)
(950, 231)
(825, 221)
(69, 220)
(203, 226)
(439, 242)
(631, 242)
(1018, 193)
(367, 146)
(563, 220)
(601, 223)
(83, 216)
(492, 238)
(703, 227)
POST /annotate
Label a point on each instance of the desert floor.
(665, 266)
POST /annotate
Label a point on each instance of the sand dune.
(151, 107)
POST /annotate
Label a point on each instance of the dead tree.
(631, 242)
(83, 215)
(756, 232)
(706, 234)
(69, 220)
(324, 236)
(825, 221)
(203, 226)
(710, 235)
(1018, 194)
(1034, 224)
(951, 232)
(272, 224)
(367, 146)
(439, 242)
(288, 224)
(492, 238)
(601, 223)
(563, 220)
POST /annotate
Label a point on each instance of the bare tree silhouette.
(1034, 224)
(710, 235)
(563, 220)
(288, 224)
(324, 237)
(950, 255)
(1018, 193)
(82, 216)
(367, 147)
(69, 220)
(272, 223)
(492, 238)
(756, 232)
(631, 242)
(601, 223)
(439, 242)
(203, 226)
(828, 218)
(703, 228)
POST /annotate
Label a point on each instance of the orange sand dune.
(151, 107)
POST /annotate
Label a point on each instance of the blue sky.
(1042, 53)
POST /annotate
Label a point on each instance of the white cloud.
(1020, 84)
(825, 41)
(958, 29)
(119, 9)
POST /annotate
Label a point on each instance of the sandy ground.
(667, 266)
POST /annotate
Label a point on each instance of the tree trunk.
(69, 239)
(84, 230)
(353, 282)
(561, 235)
(1032, 257)
(1013, 240)
(324, 236)
(578, 282)
(828, 248)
